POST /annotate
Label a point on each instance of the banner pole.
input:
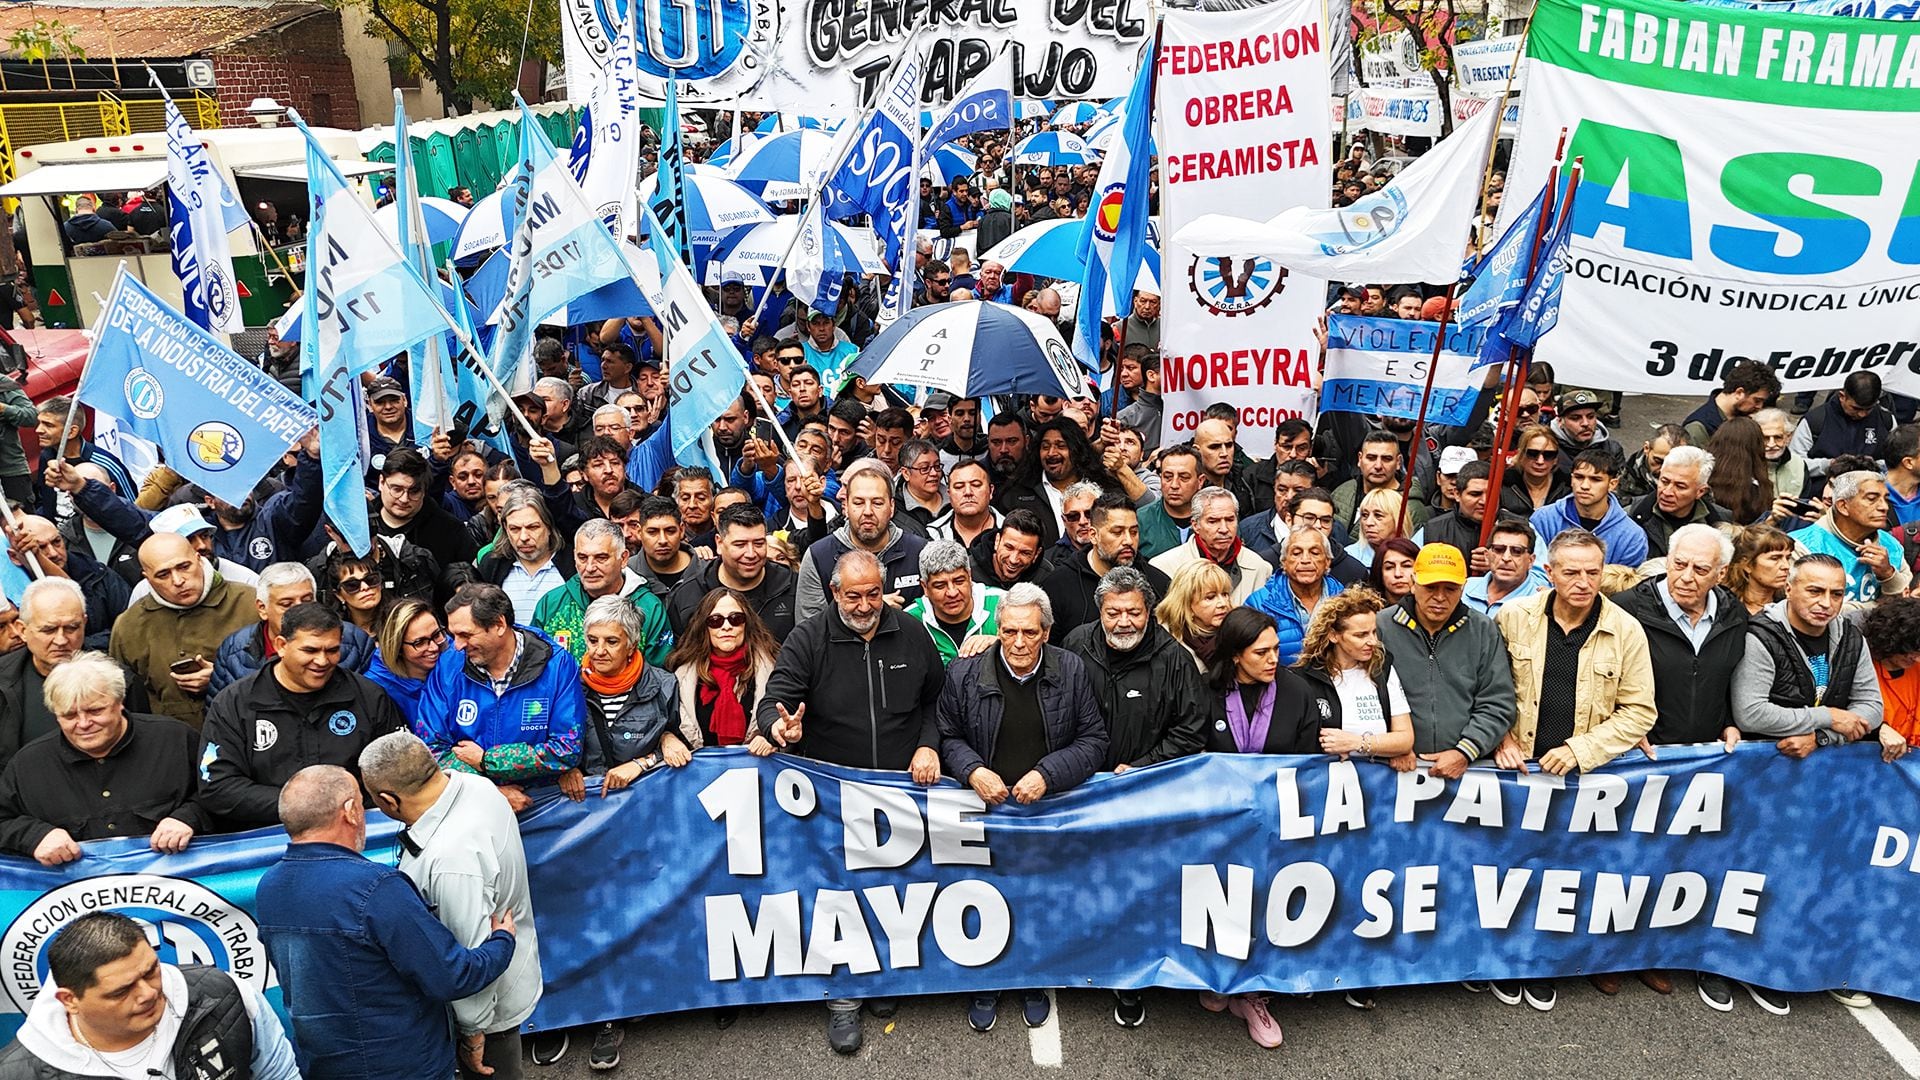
(1426, 396)
(73, 407)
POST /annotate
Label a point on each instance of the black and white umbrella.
(973, 348)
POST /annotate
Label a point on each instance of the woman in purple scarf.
(1262, 708)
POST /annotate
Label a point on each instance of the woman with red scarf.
(721, 667)
(632, 706)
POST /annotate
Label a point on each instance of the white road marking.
(1881, 1027)
(1044, 1041)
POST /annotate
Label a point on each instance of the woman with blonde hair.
(410, 645)
(1378, 520)
(1197, 600)
(1533, 477)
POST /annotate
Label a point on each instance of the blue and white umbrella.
(775, 123)
(948, 162)
(1078, 112)
(483, 229)
(791, 165)
(735, 147)
(715, 205)
(443, 216)
(1052, 249)
(847, 250)
(974, 349)
(1029, 109)
(1053, 148)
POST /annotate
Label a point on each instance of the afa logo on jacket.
(186, 923)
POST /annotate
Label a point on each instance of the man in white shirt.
(461, 848)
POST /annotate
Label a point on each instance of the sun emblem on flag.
(1106, 216)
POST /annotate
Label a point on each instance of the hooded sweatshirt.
(49, 1037)
(1626, 541)
(1570, 449)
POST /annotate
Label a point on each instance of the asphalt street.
(1424, 1031)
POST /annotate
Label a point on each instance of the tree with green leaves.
(44, 40)
(471, 49)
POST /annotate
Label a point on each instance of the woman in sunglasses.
(722, 663)
(411, 642)
(1533, 477)
(359, 590)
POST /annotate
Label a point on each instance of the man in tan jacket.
(170, 637)
(1582, 676)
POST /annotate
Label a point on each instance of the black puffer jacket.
(870, 704)
(1154, 699)
(1692, 692)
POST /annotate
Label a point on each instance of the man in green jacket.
(1453, 665)
(170, 636)
(954, 609)
(600, 565)
(1166, 522)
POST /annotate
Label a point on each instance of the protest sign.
(739, 880)
(1483, 67)
(1242, 130)
(1741, 198)
(1378, 367)
(826, 57)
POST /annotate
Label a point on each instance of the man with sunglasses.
(302, 708)
(1510, 574)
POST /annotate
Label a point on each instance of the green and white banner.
(1752, 190)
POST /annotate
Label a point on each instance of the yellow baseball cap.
(1439, 563)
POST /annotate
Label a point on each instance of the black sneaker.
(1773, 1001)
(984, 1011)
(606, 1047)
(843, 1030)
(883, 1008)
(1129, 1008)
(1541, 995)
(1714, 991)
(548, 1047)
(1509, 993)
(725, 1016)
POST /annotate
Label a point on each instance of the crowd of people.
(1011, 594)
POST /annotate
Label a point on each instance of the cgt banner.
(827, 57)
(1740, 199)
(740, 880)
(1242, 106)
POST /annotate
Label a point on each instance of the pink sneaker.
(1212, 1002)
(1262, 1028)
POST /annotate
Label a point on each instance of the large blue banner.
(739, 880)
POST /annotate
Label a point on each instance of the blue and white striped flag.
(705, 374)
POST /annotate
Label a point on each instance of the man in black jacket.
(53, 621)
(1013, 553)
(103, 775)
(1116, 542)
(742, 565)
(856, 685)
(301, 709)
(1460, 526)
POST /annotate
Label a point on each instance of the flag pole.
(13, 526)
(73, 406)
(1514, 376)
(1426, 397)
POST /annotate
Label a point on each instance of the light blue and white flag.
(669, 205)
(1378, 367)
(878, 174)
(1414, 229)
(365, 303)
(429, 364)
(201, 210)
(1113, 243)
(221, 421)
(704, 371)
(605, 156)
(560, 251)
(986, 104)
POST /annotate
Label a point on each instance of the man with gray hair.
(956, 610)
(600, 569)
(462, 849)
(1022, 720)
(106, 774)
(53, 624)
(366, 970)
(557, 422)
(245, 651)
(1680, 497)
(1216, 539)
(1696, 634)
(1855, 533)
(856, 685)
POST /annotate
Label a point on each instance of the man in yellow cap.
(1453, 665)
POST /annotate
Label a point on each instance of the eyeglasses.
(1529, 410)
(1543, 455)
(732, 618)
(926, 470)
(1077, 515)
(1509, 550)
(1314, 519)
(939, 281)
(438, 637)
(356, 584)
